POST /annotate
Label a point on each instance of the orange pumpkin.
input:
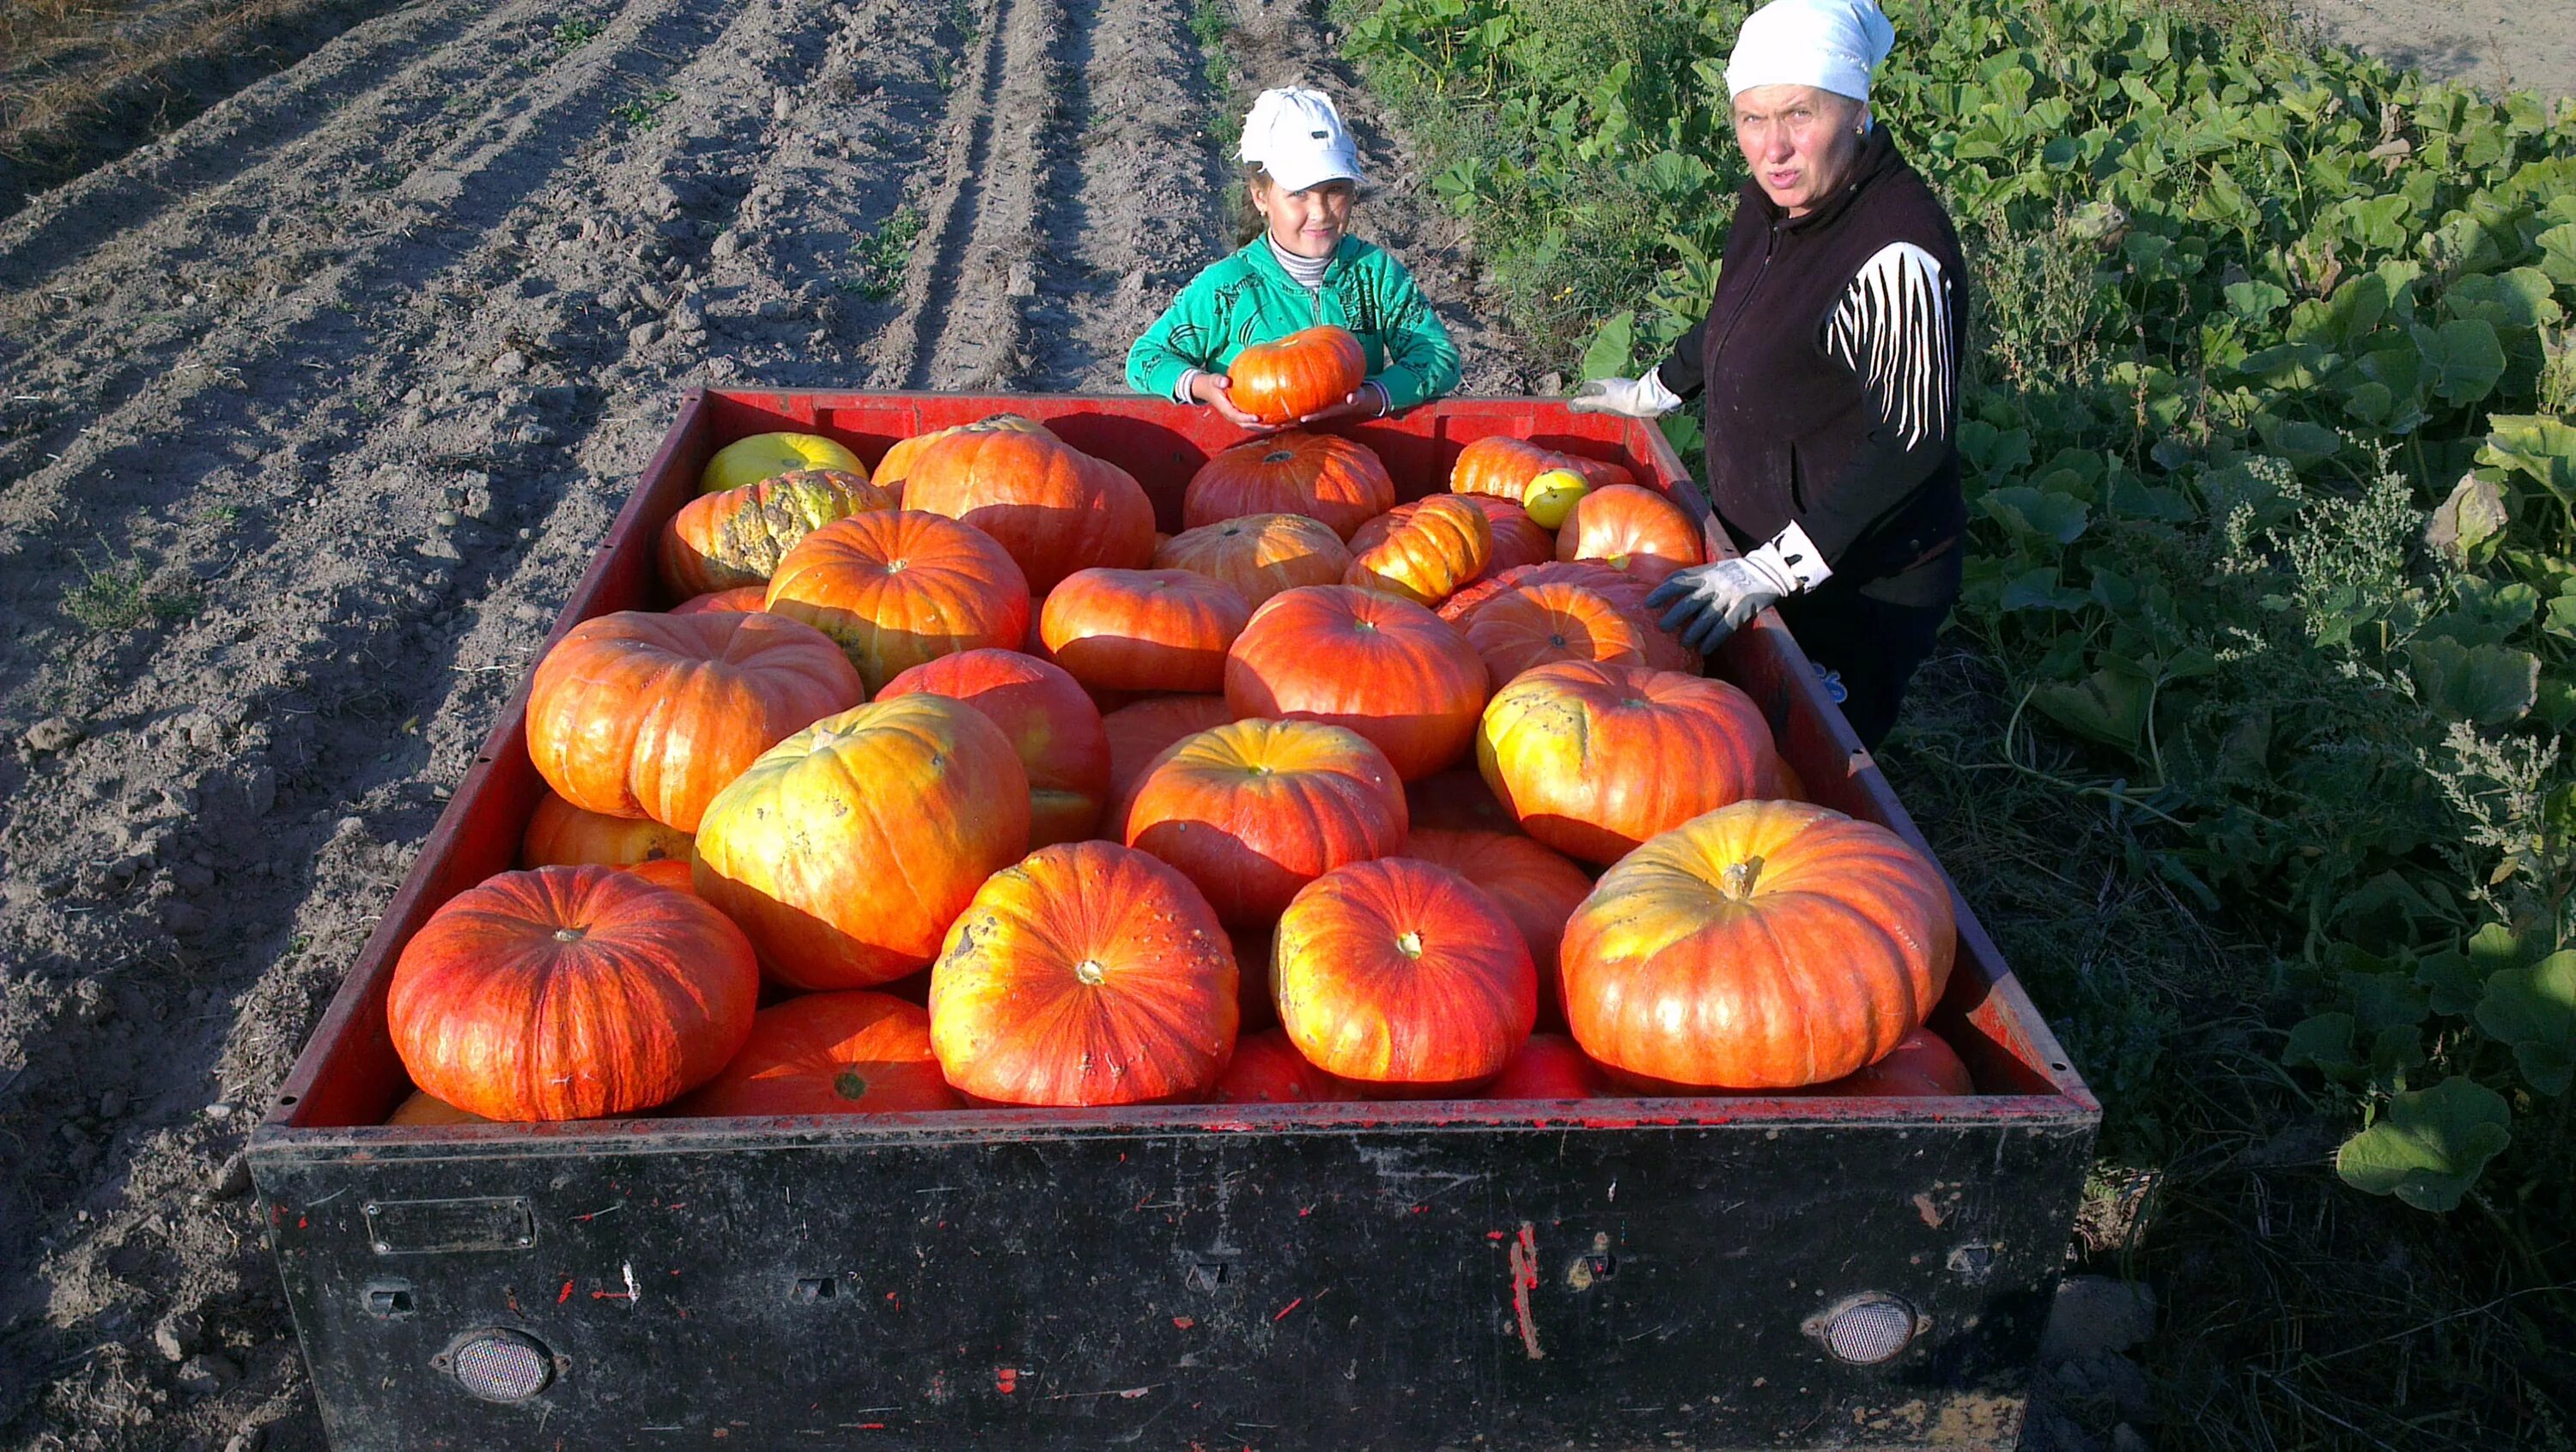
(1442, 543)
(1518, 540)
(735, 538)
(898, 587)
(1054, 509)
(1306, 372)
(1402, 979)
(1593, 759)
(1377, 664)
(1631, 529)
(1766, 945)
(849, 848)
(670, 872)
(1251, 811)
(418, 1108)
(897, 463)
(1536, 624)
(561, 834)
(569, 993)
(637, 714)
(741, 600)
(1921, 1066)
(1051, 723)
(853, 1052)
(1457, 800)
(1322, 476)
(1259, 554)
(1267, 1069)
(1143, 630)
(1536, 886)
(1139, 733)
(1549, 1066)
(1663, 650)
(1087, 974)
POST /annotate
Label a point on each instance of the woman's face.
(1801, 142)
(1308, 223)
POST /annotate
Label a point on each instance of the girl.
(1301, 270)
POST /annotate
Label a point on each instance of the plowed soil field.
(311, 412)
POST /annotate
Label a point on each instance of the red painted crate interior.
(348, 1079)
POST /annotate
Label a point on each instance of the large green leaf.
(2429, 1146)
(2109, 705)
(2536, 445)
(2463, 358)
(2474, 514)
(2534, 1010)
(2485, 684)
(2026, 510)
(1612, 348)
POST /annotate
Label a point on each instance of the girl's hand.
(1211, 389)
(1366, 401)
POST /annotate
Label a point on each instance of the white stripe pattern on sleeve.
(1892, 328)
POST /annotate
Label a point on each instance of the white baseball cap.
(1295, 135)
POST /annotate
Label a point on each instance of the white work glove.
(1709, 602)
(1645, 397)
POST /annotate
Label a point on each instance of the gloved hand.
(1709, 602)
(1645, 397)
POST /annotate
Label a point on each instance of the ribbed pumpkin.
(1088, 973)
(1143, 730)
(1537, 624)
(849, 848)
(1251, 811)
(1053, 508)
(897, 587)
(569, 993)
(1402, 979)
(637, 714)
(853, 1052)
(1259, 554)
(1549, 1066)
(1322, 476)
(1439, 545)
(1517, 539)
(750, 460)
(1379, 665)
(1502, 467)
(561, 834)
(1536, 886)
(1143, 630)
(1050, 722)
(1267, 1069)
(1631, 529)
(897, 463)
(1663, 650)
(735, 538)
(1308, 371)
(1593, 759)
(741, 600)
(1766, 945)
(1921, 1066)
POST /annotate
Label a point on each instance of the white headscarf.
(1295, 135)
(1829, 44)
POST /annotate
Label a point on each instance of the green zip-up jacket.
(1248, 298)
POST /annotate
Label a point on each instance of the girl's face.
(1308, 223)
(1800, 141)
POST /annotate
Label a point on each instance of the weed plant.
(2247, 741)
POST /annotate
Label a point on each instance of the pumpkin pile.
(997, 797)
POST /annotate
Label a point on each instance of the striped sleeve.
(1892, 329)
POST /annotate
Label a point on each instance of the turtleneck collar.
(1304, 271)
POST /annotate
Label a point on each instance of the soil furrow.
(949, 212)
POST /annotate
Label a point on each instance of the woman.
(1829, 361)
(1300, 267)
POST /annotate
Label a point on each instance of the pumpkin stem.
(569, 935)
(1739, 876)
(1410, 945)
(1279, 456)
(1090, 971)
(850, 1083)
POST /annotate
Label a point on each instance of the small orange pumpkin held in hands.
(570, 993)
(1304, 373)
(1402, 979)
(1087, 974)
(1766, 945)
(637, 714)
(852, 1052)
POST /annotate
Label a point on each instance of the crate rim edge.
(280, 1137)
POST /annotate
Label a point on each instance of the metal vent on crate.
(1867, 1329)
(498, 1365)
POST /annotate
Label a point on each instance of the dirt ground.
(2496, 45)
(311, 412)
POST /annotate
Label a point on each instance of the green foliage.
(879, 258)
(2268, 449)
(121, 596)
(644, 112)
